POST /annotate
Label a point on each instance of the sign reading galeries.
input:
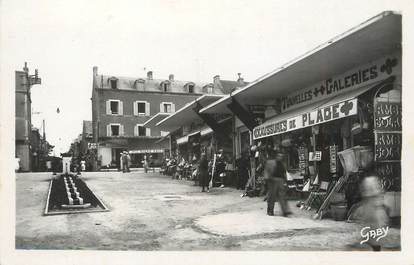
(358, 77)
(317, 116)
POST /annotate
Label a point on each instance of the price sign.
(388, 147)
(387, 116)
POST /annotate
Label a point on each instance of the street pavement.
(149, 211)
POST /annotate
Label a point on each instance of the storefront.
(189, 134)
(342, 98)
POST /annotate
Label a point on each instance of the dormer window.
(113, 81)
(139, 84)
(165, 86)
(208, 89)
(190, 87)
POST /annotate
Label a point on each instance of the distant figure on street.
(275, 173)
(242, 171)
(203, 173)
(83, 165)
(145, 163)
(125, 166)
(128, 161)
(49, 166)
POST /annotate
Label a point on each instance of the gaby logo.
(367, 233)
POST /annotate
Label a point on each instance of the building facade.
(122, 108)
(23, 117)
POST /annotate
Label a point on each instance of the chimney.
(149, 75)
(95, 70)
(171, 77)
(240, 80)
(216, 79)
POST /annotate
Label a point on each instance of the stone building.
(125, 111)
(23, 117)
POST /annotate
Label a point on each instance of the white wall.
(106, 154)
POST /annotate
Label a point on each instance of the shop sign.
(315, 156)
(388, 170)
(92, 145)
(388, 116)
(352, 79)
(388, 146)
(147, 151)
(333, 150)
(318, 116)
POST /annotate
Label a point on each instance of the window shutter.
(162, 107)
(108, 129)
(147, 109)
(172, 107)
(108, 107)
(136, 130)
(135, 104)
(121, 130)
(148, 131)
(121, 108)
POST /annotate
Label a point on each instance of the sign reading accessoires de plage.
(321, 115)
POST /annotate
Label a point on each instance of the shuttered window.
(141, 108)
(114, 129)
(114, 107)
(167, 107)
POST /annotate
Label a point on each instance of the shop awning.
(186, 114)
(338, 107)
(372, 39)
(203, 132)
(156, 118)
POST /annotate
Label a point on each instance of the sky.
(194, 40)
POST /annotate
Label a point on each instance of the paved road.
(154, 212)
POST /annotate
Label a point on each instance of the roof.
(186, 115)
(155, 119)
(376, 37)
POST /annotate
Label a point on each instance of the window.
(190, 88)
(208, 89)
(142, 131)
(141, 108)
(164, 133)
(167, 107)
(139, 84)
(114, 129)
(114, 83)
(114, 107)
(165, 86)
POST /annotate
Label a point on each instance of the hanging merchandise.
(348, 161)
(303, 162)
(333, 149)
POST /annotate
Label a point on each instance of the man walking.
(276, 179)
(203, 173)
